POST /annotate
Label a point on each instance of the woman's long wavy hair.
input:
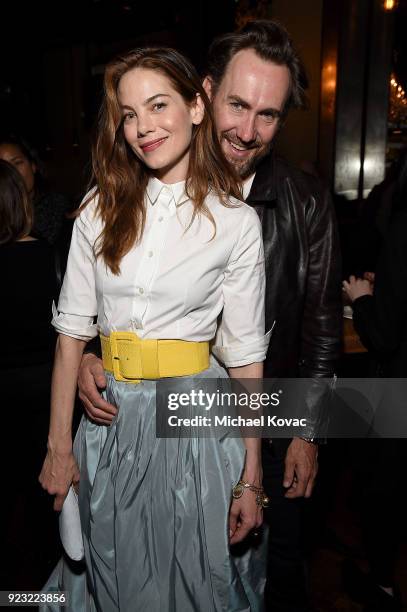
(121, 178)
(16, 214)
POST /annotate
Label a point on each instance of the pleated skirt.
(154, 516)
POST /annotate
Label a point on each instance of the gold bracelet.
(262, 499)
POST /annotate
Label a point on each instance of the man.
(254, 77)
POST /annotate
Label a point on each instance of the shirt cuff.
(243, 354)
(77, 326)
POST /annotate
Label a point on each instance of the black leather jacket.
(303, 270)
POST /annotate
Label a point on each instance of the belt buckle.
(122, 353)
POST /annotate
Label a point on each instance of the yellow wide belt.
(132, 359)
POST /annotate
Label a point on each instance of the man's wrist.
(314, 441)
(94, 347)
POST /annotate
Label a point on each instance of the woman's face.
(157, 122)
(13, 154)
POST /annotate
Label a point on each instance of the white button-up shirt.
(176, 282)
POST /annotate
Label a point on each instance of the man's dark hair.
(271, 42)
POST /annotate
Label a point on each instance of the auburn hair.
(120, 178)
(16, 213)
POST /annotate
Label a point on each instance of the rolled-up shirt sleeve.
(77, 305)
(240, 338)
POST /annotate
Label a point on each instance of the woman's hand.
(244, 515)
(356, 287)
(59, 471)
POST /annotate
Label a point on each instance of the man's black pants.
(286, 589)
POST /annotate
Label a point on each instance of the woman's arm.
(241, 345)
(252, 472)
(245, 514)
(60, 469)
(75, 322)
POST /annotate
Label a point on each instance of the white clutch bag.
(70, 527)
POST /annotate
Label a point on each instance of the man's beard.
(246, 168)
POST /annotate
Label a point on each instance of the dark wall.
(51, 64)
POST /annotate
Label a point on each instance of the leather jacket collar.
(263, 189)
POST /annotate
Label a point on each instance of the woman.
(50, 208)
(159, 250)
(27, 269)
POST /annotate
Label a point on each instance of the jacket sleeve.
(321, 332)
(322, 322)
(379, 319)
(94, 346)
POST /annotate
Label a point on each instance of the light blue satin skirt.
(154, 515)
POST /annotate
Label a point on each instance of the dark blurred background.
(53, 55)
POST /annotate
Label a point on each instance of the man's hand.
(301, 467)
(91, 378)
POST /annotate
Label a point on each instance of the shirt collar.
(263, 189)
(247, 185)
(177, 191)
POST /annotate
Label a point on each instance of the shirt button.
(150, 253)
(141, 290)
(160, 219)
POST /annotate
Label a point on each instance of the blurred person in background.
(29, 285)
(50, 208)
(379, 304)
(376, 214)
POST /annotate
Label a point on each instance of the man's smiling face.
(248, 105)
